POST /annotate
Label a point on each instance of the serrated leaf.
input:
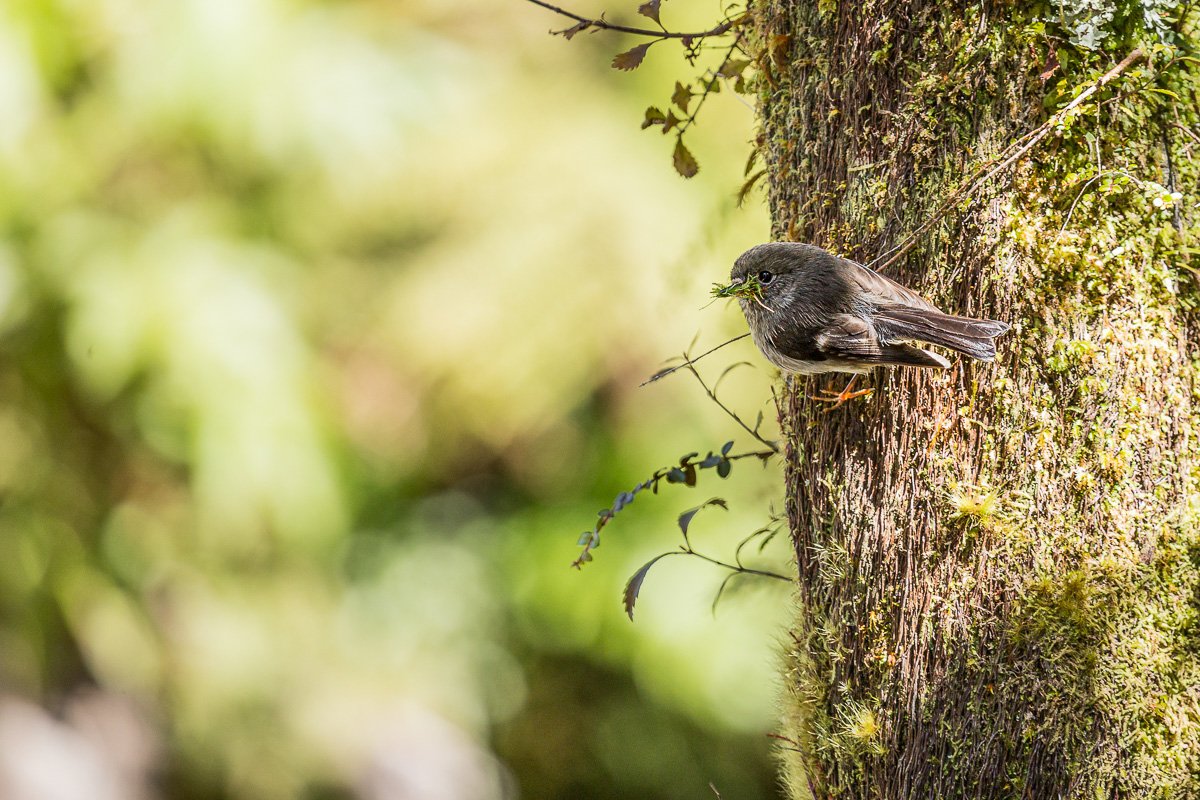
(671, 121)
(682, 96)
(654, 116)
(634, 586)
(685, 162)
(631, 59)
(650, 9)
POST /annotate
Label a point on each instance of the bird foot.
(840, 398)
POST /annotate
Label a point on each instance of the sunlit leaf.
(632, 58)
(733, 67)
(650, 9)
(682, 96)
(685, 162)
(654, 116)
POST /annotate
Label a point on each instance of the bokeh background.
(321, 329)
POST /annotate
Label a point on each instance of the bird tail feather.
(971, 337)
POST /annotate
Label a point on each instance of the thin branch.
(1005, 159)
(713, 396)
(603, 24)
(1104, 174)
(734, 567)
(687, 361)
(691, 118)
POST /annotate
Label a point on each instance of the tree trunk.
(999, 564)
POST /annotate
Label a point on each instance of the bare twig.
(1005, 159)
(691, 118)
(1137, 181)
(735, 567)
(687, 361)
(602, 24)
(713, 396)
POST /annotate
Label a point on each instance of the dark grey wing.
(901, 315)
(853, 339)
(880, 291)
(971, 337)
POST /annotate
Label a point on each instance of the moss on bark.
(999, 565)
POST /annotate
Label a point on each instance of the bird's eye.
(765, 277)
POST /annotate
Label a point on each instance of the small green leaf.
(654, 116)
(682, 96)
(671, 121)
(631, 59)
(725, 448)
(733, 67)
(724, 468)
(685, 162)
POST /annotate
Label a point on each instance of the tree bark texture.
(999, 563)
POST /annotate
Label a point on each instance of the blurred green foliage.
(321, 329)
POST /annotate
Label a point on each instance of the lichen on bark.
(999, 565)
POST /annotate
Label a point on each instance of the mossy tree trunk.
(999, 564)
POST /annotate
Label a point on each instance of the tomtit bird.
(810, 312)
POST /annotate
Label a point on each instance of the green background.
(321, 329)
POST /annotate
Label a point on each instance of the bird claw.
(840, 398)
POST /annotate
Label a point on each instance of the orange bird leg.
(840, 398)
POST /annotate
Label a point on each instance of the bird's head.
(769, 275)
